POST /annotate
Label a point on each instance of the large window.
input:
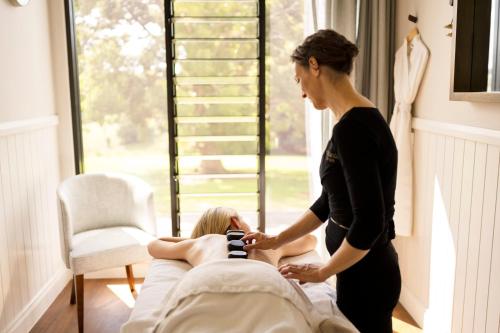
(121, 63)
(123, 101)
(215, 72)
(287, 162)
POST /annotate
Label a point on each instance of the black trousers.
(368, 292)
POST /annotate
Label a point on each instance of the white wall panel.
(5, 250)
(13, 292)
(463, 235)
(486, 239)
(442, 262)
(449, 151)
(493, 304)
(458, 171)
(34, 211)
(26, 221)
(457, 215)
(31, 270)
(474, 238)
(39, 207)
(427, 213)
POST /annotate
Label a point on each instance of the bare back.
(213, 247)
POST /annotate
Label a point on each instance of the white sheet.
(164, 275)
(236, 295)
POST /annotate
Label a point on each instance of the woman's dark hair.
(329, 48)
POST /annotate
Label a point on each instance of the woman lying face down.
(208, 241)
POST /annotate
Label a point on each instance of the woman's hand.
(303, 272)
(262, 241)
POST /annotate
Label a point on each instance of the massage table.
(159, 308)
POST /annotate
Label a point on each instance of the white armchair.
(107, 221)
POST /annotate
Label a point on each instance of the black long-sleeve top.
(358, 174)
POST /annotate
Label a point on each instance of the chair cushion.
(98, 249)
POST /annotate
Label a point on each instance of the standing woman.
(358, 175)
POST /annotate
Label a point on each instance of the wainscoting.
(31, 270)
(451, 264)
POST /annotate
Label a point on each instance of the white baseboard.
(34, 310)
(139, 270)
(413, 305)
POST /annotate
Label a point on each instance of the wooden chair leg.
(73, 296)
(130, 277)
(79, 300)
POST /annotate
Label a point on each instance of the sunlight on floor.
(122, 291)
(399, 326)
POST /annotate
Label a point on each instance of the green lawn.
(287, 187)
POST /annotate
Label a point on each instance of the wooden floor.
(108, 303)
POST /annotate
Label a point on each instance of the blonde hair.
(214, 221)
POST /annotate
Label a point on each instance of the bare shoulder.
(211, 237)
(208, 241)
(207, 248)
(299, 246)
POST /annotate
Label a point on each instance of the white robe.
(411, 60)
